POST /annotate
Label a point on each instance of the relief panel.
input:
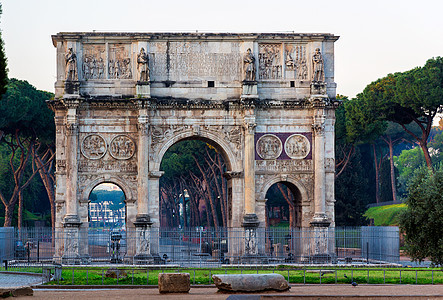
(94, 59)
(297, 146)
(119, 61)
(270, 61)
(296, 62)
(93, 146)
(269, 146)
(122, 147)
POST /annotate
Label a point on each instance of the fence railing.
(198, 247)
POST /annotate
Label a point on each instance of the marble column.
(143, 220)
(320, 218)
(71, 220)
(143, 168)
(320, 221)
(250, 220)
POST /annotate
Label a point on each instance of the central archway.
(193, 189)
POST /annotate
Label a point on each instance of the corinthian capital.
(250, 127)
(318, 128)
(143, 128)
(71, 129)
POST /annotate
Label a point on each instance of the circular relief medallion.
(94, 146)
(269, 146)
(297, 146)
(122, 147)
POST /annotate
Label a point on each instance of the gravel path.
(435, 291)
(8, 280)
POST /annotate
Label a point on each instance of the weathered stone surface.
(112, 273)
(5, 293)
(174, 282)
(22, 291)
(122, 99)
(251, 282)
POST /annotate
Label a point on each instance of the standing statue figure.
(143, 65)
(318, 74)
(71, 66)
(249, 66)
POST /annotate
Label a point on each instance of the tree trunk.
(20, 210)
(377, 184)
(391, 162)
(208, 191)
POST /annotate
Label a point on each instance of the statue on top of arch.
(143, 66)
(318, 72)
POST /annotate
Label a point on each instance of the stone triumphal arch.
(266, 101)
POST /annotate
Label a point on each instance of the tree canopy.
(423, 220)
(414, 96)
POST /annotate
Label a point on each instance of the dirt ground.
(211, 293)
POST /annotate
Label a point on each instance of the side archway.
(284, 198)
(129, 198)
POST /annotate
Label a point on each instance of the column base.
(250, 221)
(71, 221)
(143, 89)
(143, 259)
(72, 89)
(249, 90)
(320, 220)
(142, 220)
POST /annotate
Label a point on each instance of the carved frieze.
(94, 58)
(160, 133)
(282, 166)
(122, 147)
(128, 166)
(297, 146)
(270, 62)
(269, 146)
(119, 61)
(93, 146)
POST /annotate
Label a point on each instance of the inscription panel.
(193, 60)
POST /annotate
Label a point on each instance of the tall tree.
(422, 222)
(25, 121)
(415, 96)
(3, 66)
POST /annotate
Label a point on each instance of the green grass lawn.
(385, 215)
(96, 276)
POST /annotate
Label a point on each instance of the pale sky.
(376, 37)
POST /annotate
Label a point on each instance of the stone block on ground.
(250, 282)
(174, 282)
(113, 273)
(22, 291)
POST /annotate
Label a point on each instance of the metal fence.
(199, 247)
